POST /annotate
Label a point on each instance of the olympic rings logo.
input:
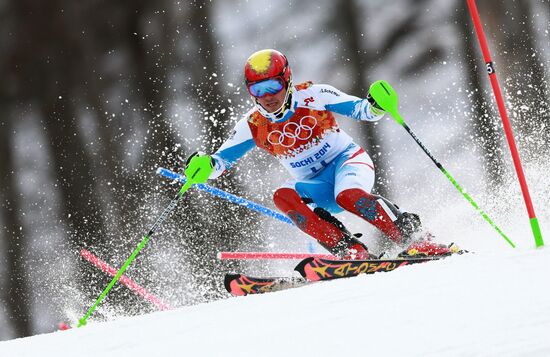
(293, 132)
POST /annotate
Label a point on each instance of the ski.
(316, 269)
(240, 285)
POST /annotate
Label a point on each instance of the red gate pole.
(506, 122)
(270, 255)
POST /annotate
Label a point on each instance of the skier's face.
(272, 102)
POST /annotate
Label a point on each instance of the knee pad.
(286, 199)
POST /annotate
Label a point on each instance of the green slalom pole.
(196, 177)
(386, 97)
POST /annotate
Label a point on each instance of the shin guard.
(374, 209)
(289, 202)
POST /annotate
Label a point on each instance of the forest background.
(96, 95)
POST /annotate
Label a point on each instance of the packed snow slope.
(471, 305)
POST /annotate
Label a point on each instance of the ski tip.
(227, 281)
(300, 268)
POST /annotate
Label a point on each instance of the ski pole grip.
(386, 97)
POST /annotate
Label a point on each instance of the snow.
(480, 304)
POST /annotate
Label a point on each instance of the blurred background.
(96, 95)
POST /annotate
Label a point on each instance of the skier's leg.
(354, 180)
(397, 225)
(381, 213)
(319, 224)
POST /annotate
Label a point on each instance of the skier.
(331, 173)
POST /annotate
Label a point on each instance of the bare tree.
(521, 71)
(17, 291)
(45, 71)
(16, 294)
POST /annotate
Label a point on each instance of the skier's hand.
(375, 108)
(198, 167)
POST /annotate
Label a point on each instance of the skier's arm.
(353, 107)
(238, 144)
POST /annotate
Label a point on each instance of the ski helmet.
(268, 72)
(266, 64)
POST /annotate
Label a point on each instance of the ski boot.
(408, 224)
(428, 248)
(350, 247)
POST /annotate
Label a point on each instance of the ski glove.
(198, 167)
(374, 107)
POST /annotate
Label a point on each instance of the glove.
(374, 107)
(198, 167)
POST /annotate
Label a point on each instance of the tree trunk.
(486, 130)
(17, 293)
(521, 73)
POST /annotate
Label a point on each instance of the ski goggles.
(265, 87)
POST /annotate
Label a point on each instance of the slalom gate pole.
(270, 255)
(124, 280)
(165, 214)
(386, 98)
(506, 122)
(227, 196)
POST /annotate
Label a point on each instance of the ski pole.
(195, 177)
(386, 97)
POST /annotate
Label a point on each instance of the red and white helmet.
(268, 72)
